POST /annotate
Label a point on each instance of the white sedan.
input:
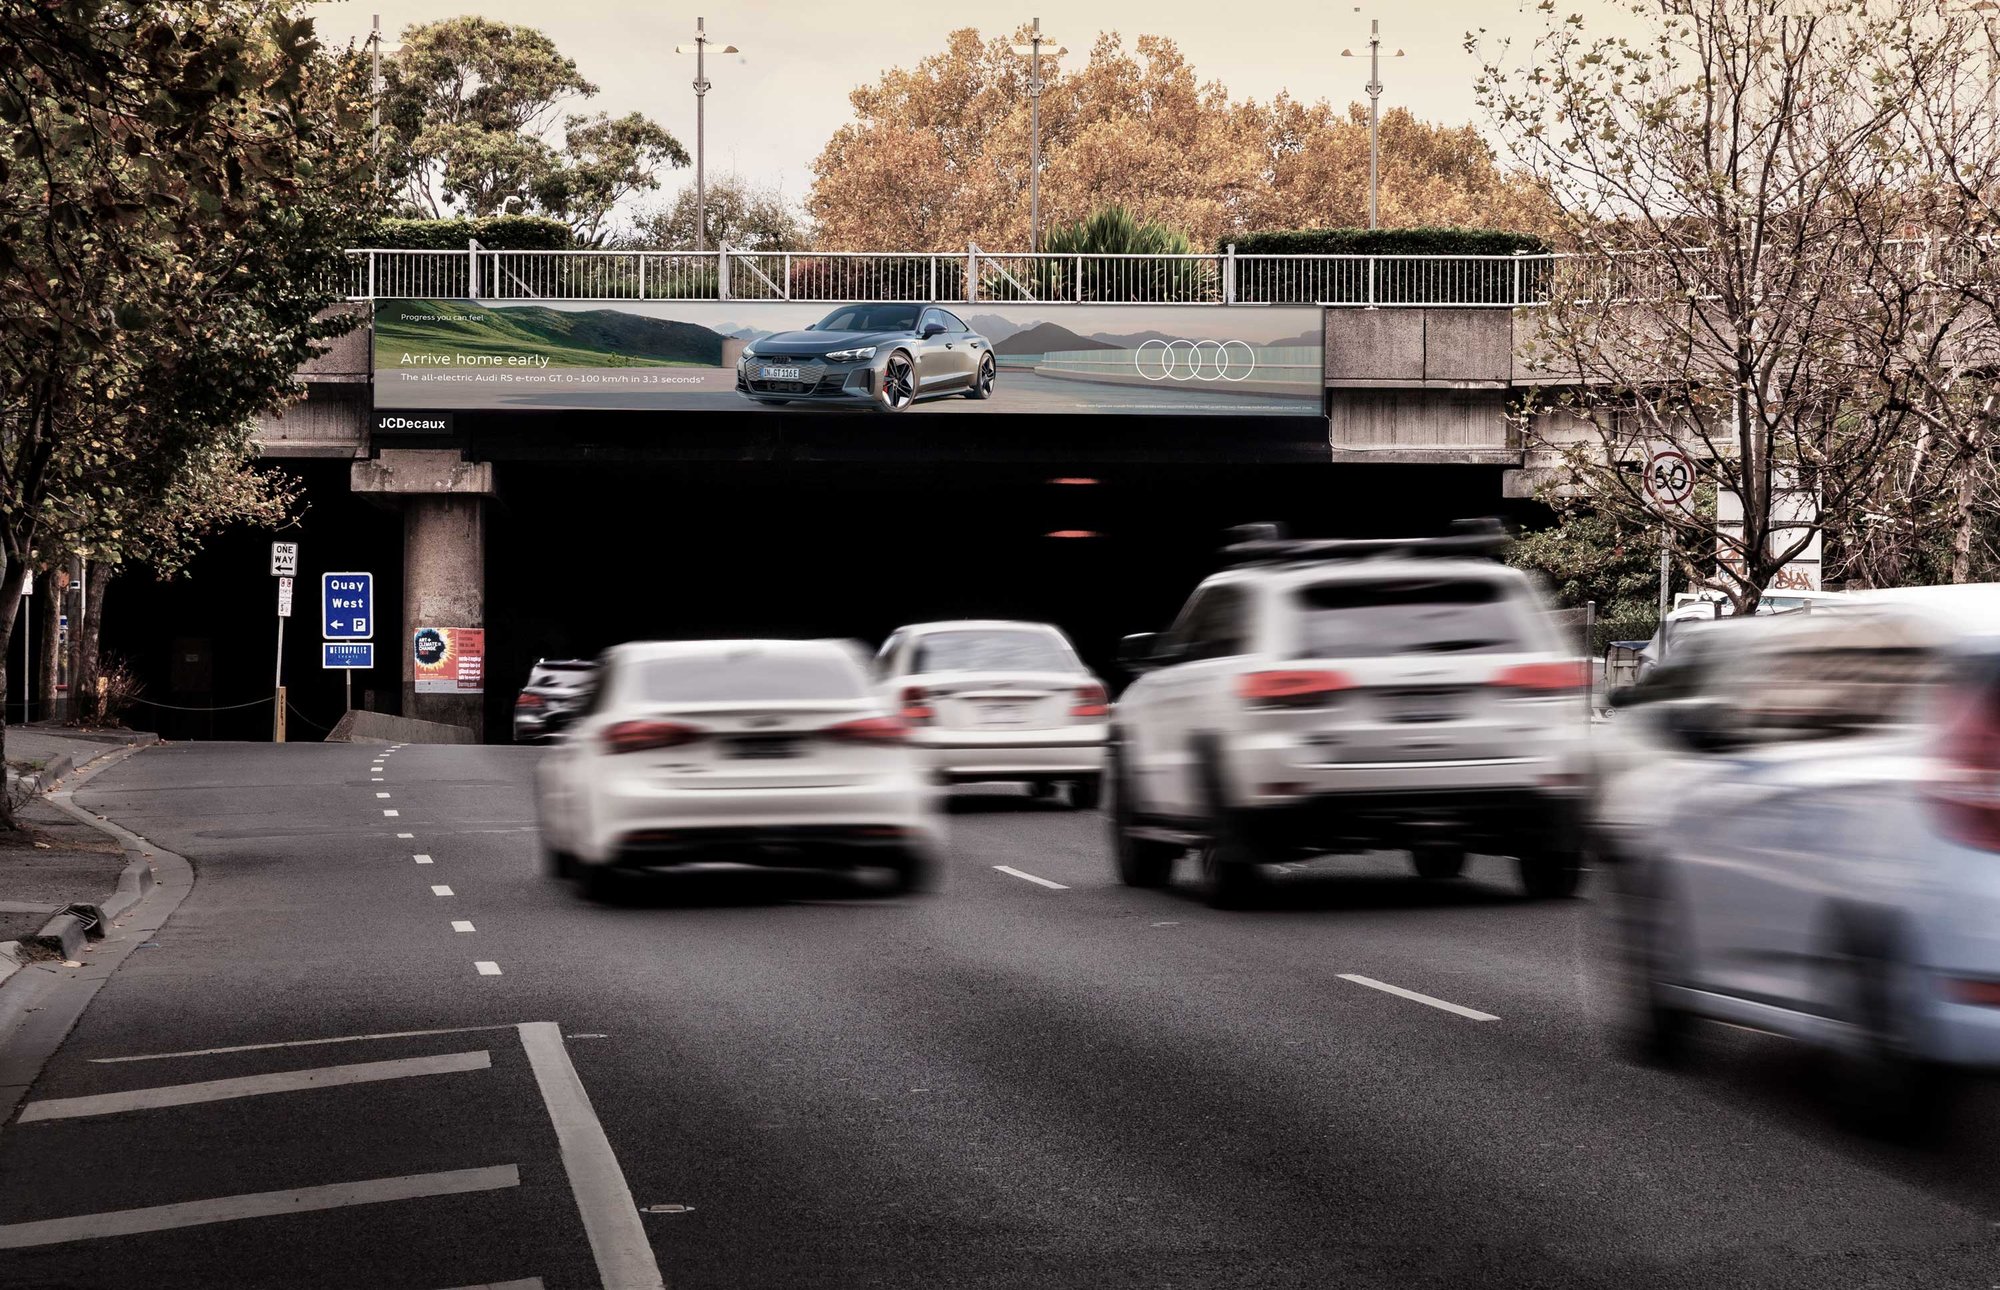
(989, 700)
(761, 752)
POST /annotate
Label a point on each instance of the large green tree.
(476, 111)
(177, 182)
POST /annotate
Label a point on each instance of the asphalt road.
(1002, 1084)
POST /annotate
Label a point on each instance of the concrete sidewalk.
(55, 863)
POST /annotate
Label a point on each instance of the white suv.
(1321, 696)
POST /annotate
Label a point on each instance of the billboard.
(450, 660)
(775, 356)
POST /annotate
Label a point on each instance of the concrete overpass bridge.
(573, 419)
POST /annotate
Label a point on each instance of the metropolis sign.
(434, 356)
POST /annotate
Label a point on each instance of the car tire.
(1041, 790)
(601, 883)
(912, 873)
(560, 864)
(1084, 794)
(1882, 1084)
(899, 383)
(1554, 870)
(1659, 1032)
(1230, 863)
(982, 384)
(1437, 861)
(1142, 862)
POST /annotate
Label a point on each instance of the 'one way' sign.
(347, 603)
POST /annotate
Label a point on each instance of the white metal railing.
(968, 277)
(975, 275)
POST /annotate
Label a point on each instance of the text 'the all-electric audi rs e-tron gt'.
(884, 355)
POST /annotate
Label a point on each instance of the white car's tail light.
(1091, 702)
(1966, 790)
(869, 730)
(1291, 688)
(917, 709)
(1545, 678)
(644, 736)
(528, 700)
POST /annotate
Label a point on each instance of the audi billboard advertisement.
(894, 357)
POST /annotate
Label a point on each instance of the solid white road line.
(263, 1204)
(1016, 873)
(460, 925)
(440, 890)
(617, 1237)
(298, 1043)
(221, 1090)
(1413, 996)
(487, 967)
(421, 858)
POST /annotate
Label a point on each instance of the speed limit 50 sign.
(1670, 479)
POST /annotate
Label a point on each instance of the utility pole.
(699, 49)
(375, 98)
(1033, 49)
(1374, 116)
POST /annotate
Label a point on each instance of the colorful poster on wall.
(885, 356)
(450, 660)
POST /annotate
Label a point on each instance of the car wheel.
(899, 383)
(1660, 1033)
(911, 873)
(560, 864)
(1883, 1084)
(1554, 870)
(1142, 862)
(1230, 874)
(1084, 794)
(982, 385)
(1437, 861)
(600, 882)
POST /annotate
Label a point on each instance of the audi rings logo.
(1195, 360)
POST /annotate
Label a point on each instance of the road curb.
(41, 1001)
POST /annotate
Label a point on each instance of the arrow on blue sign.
(347, 606)
(345, 654)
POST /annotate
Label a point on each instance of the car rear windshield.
(992, 651)
(749, 676)
(560, 676)
(1413, 616)
(871, 318)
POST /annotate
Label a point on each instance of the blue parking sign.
(347, 606)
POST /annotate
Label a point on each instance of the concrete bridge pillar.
(443, 499)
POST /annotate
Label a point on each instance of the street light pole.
(1374, 116)
(1033, 49)
(375, 97)
(701, 87)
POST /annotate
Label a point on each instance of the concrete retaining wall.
(379, 727)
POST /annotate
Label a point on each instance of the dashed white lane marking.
(610, 1218)
(487, 967)
(221, 1090)
(299, 1043)
(440, 891)
(392, 812)
(1016, 873)
(421, 858)
(460, 925)
(376, 780)
(1414, 997)
(406, 835)
(381, 795)
(263, 1204)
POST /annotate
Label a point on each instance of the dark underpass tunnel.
(581, 556)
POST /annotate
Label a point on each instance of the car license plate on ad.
(783, 373)
(1004, 714)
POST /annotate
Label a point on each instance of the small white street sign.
(284, 597)
(284, 559)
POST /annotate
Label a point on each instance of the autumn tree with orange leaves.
(938, 155)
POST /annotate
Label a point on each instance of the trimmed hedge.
(1390, 241)
(493, 232)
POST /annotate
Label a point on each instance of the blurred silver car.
(1810, 844)
(555, 688)
(988, 700)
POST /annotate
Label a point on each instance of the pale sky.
(774, 105)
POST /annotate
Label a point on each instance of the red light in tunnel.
(1074, 533)
(1073, 481)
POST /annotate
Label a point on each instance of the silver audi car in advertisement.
(886, 355)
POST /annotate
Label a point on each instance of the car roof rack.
(1267, 544)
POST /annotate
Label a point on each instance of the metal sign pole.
(1666, 562)
(278, 688)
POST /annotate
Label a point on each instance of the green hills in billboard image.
(457, 333)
